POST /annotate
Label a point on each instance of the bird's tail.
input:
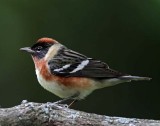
(134, 78)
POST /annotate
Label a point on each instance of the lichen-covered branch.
(50, 114)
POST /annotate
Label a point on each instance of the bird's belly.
(54, 87)
(61, 90)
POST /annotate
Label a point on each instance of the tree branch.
(50, 114)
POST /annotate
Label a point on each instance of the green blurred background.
(123, 33)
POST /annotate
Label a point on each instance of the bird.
(71, 75)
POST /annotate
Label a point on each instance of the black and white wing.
(69, 63)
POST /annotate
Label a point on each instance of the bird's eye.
(38, 48)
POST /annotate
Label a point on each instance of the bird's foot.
(60, 103)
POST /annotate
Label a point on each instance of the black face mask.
(40, 49)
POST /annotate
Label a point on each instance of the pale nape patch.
(52, 51)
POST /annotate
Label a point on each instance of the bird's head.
(40, 49)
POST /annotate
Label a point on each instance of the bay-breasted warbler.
(69, 74)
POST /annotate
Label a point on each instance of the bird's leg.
(63, 100)
(67, 99)
(74, 101)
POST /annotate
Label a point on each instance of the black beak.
(27, 49)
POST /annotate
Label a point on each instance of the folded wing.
(73, 64)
